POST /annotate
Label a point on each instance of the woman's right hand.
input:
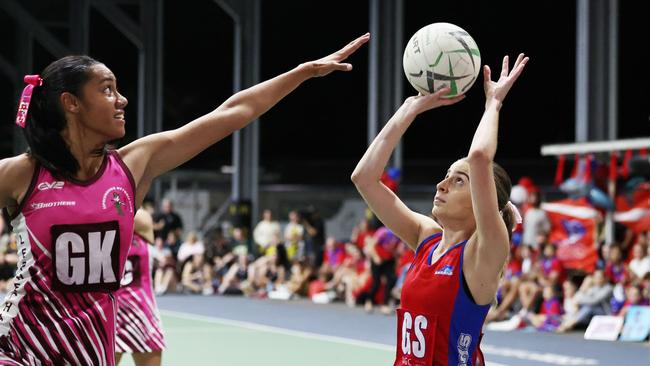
(422, 103)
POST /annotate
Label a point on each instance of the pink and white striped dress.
(73, 240)
(139, 328)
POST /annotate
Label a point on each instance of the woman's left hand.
(333, 62)
(497, 91)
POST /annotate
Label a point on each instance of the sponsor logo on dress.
(118, 198)
(39, 205)
(464, 341)
(47, 185)
(447, 270)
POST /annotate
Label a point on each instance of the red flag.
(559, 172)
(636, 214)
(625, 166)
(573, 231)
(613, 160)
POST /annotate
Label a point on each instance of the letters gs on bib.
(86, 257)
(410, 326)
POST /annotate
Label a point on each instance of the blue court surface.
(219, 330)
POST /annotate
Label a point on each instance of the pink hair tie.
(515, 211)
(32, 81)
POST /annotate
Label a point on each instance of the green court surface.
(197, 340)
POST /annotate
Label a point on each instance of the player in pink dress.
(139, 330)
(71, 200)
(462, 248)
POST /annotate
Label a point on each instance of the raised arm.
(156, 154)
(492, 234)
(406, 224)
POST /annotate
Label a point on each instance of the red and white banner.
(634, 210)
(573, 231)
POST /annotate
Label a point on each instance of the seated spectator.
(346, 277)
(547, 271)
(239, 243)
(549, 317)
(217, 258)
(614, 267)
(301, 274)
(508, 291)
(231, 283)
(634, 297)
(593, 299)
(333, 256)
(192, 277)
(640, 263)
(191, 246)
(165, 278)
(569, 303)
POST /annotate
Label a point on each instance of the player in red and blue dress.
(462, 248)
(72, 200)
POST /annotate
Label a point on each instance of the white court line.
(284, 331)
(546, 357)
(522, 354)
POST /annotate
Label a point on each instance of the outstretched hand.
(498, 90)
(332, 62)
(422, 103)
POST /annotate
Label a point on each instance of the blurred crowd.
(544, 286)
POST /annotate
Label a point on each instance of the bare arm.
(406, 224)
(492, 234)
(156, 154)
(15, 175)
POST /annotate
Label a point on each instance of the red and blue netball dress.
(438, 321)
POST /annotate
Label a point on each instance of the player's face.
(453, 198)
(102, 106)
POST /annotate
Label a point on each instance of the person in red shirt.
(462, 247)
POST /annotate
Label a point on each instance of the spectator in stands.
(615, 270)
(236, 274)
(344, 280)
(380, 248)
(314, 226)
(167, 220)
(536, 225)
(547, 271)
(333, 256)
(549, 316)
(294, 237)
(634, 297)
(508, 291)
(266, 231)
(360, 232)
(301, 273)
(191, 246)
(217, 259)
(239, 243)
(570, 304)
(593, 298)
(640, 263)
(165, 278)
(192, 277)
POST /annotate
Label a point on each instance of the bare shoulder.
(15, 175)
(428, 227)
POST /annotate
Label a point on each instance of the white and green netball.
(442, 55)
